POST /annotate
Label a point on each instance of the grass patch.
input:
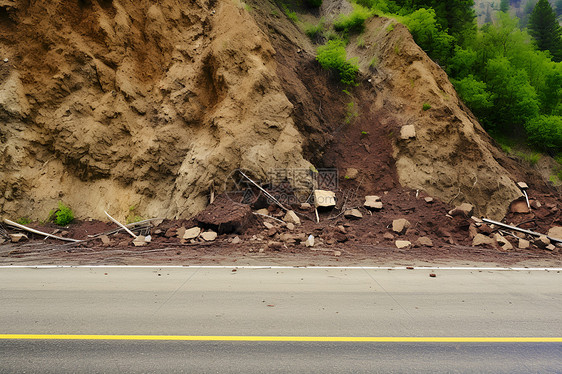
(532, 158)
(374, 62)
(61, 216)
(426, 106)
(24, 221)
(314, 31)
(361, 42)
(292, 15)
(353, 22)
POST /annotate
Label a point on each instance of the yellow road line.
(373, 339)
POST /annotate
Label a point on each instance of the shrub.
(334, 57)
(353, 22)
(62, 216)
(24, 221)
(290, 14)
(545, 132)
(426, 106)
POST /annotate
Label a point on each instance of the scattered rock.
(542, 242)
(503, 242)
(555, 232)
(340, 237)
(290, 226)
(400, 244)
(140, 241)
(236, 240)
(341, 229)
(291, 217)
(192, 233)
(15, 238)
(373, 202)
(305, 206)
(272, 231)
(424, 241)
(263, 211)
(429, 200)
(550, 247)
(275, 246)
(170, 232)
(268, 225)
(337, 253)
(522, 185)
(388, 236)
(225, 216)
(209, 236)
(407, 132)
(353, 214)
(105, 240)
(432, 275)
(524, 244)
(309, 241)
(472, 231)
(400, 225)
(481, 239)
(465, 209)
(519, 206)
(351, 173)
(324, 199)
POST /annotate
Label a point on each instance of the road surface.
(111, 319)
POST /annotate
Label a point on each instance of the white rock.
(140, 241)
(353, 214)
(209, 236)
(408, 132)
(429, 200)
(14, 238)
(192, 233)
(324, 199)
(522, 185)
(291, 217)
(555, 232)
(524, 244)
(264, 211)
(306, 206)
(373, 202)
(481, 239)
(424, 241)
(503, 242)
(290, 226)
(400, 244)
(309, 241)
(236, 240)
(268, 225)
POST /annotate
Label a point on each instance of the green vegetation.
(24, 221)
(351, 113)
(314, 31)
(292, 15)
(532, 158)
(62, 216)
(334, 57)
(361, 42)
(509, 77)
(374, 62)
(353, 22)
(426, 106)
(132, 217)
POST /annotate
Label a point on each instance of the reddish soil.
(338, 240)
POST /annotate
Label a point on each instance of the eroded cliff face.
(107, 105)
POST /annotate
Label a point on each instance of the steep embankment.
(115, 104)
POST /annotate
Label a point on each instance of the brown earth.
(149, 108)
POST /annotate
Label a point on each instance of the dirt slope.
(120, 104)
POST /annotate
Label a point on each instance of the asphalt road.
(201, 303)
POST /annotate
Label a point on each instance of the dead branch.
(120, 224)
(25, 228)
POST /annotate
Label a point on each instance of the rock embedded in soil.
(105, 240)
(400, 225)
(309, 241)
(225, 216)
(388, 236)
(407, 132)
(481, 239)
(373, 202)
(555, 232)
(291, 217)
(351, 173)
(424, 241)
(401, 244)
(523, 244)
(290, 226)
(209, 236)
(16, 238)
(503, 242)
(542, 242)
(353, 214)
(519, 206)
(236, 240)
(324, 199)
(268, 225)
(429, 200)
(140, 241)
(192, 233)
(464, 210)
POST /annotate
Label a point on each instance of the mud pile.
(125, 105)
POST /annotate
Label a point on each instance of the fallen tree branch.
(528, 232)
(265, 192)
(120, 224)
(25, 228)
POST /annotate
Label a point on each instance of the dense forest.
(508, 72)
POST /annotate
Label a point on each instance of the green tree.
(504, 6)
(546, 31)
